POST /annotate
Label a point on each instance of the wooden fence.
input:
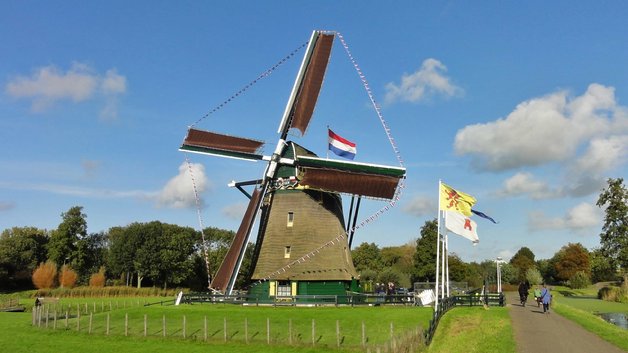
(290, 332)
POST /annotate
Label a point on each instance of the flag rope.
(381, 211)
(200, 219)
(264, 74)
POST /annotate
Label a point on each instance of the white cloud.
(179, 191)
(522, 184)
(235, 211)
(77, 190)
(5, 206)
(543, 130)
(584, 216)
(420, 206)
(428, 81)
(49, 85)
(602, 155)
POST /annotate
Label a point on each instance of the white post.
(447, 260)
(437, 250)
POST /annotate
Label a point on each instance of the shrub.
(613, 294)
(534, 276)
(579, 280)
(98, 279)
(44, 275)
(67, 277)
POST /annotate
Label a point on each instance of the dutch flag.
(340, 146)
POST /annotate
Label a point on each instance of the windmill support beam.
(240, 184)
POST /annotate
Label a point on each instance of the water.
(618, 319)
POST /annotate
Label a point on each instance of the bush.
(98, 279)
(44, 275)
(579, 280)
(534, 276)
(67, 277)
(613, 294)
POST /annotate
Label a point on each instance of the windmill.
(298, 196)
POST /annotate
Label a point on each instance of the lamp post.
(499, 274)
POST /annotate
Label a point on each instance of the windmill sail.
(227, 273)
(205, 142)
(372, 180)
(307, 86)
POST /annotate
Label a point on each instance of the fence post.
(54, 323)
(363, 334)
(205, 328)
(338, 333)
(47, 314)
(184, 326)
(78, 321)
(163, 325)
(246, 330)
(313, 332)
(66, 318)
(145, 325)
(107, 324)
(126, 324)
(89, 330)
(290, 331)
(224, 327)
(268, 330)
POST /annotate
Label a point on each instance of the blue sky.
(523, 107)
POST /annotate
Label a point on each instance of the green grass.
(16, 328)
(579, 306)
(474, 329)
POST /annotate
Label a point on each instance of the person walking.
(546, 298)
(523, 293)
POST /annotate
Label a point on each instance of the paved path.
(536, 332)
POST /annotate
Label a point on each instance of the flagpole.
(447, 259)
(437, 249)
(443, 254)
(327, 142)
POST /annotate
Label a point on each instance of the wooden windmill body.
(298, 197)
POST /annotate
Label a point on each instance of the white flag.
(462, 225)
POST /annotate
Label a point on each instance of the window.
(286, 252)
(290, 219)
(284, 289)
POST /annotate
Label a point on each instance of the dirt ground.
(536, 332)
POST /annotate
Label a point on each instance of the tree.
(522, 261)
(570, 259)
(44, 275)
(63, 242)
(601, 268)
(21, 250)
(98, 279)
(67, 277)
(457, 268)
(90, 255)
(367, 257)
(425, 255)
(614, 236)
(533, 276)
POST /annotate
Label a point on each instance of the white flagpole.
(442, 265)
(447, 259)
(327, 138)
(437, 250)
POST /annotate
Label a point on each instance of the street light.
(499, 274)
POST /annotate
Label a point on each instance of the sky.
(522, 105)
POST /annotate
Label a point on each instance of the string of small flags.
(200, 219)
(250, 84)
(381, 211)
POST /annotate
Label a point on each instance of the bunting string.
(200, 219)
(376, 215)
(263, 75)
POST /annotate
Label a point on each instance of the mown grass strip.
(474, 329)
(594, 324)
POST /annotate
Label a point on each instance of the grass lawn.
(474, 329)
(243, 324)
(579, 306)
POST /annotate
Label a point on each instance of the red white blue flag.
(341, 146)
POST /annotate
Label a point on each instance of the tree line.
(166, 255)
(139, 254)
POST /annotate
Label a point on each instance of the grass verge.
(474, 329)
(594, 324)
